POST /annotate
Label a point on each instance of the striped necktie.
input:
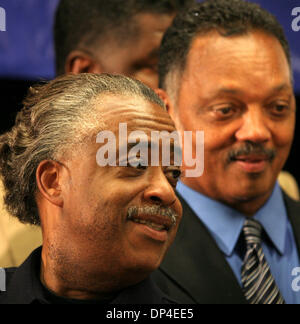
(258, 283)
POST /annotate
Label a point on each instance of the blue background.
(26, 48)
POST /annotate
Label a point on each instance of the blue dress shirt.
(225, 225)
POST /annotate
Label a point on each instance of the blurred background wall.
(27, 55)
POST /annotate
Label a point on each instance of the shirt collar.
(225, 223)
(25, 285)
(274, 219)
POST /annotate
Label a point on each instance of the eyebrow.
(281, 87)
(149, 144)
(175, 149)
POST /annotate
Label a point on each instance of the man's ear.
(166, 99)
(48, 178)
(80, 62)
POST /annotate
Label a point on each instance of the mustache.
(251, 148)
(154, 210)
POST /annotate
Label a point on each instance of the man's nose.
(254, 127)
(160, 190)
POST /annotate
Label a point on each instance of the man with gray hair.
(98, 36)
(105, 229)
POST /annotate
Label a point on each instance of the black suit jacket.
(196, 271)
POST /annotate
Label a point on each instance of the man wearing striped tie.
(225, 68)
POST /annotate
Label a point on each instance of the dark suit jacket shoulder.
(196, 271)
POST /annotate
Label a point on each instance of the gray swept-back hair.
(56, 116)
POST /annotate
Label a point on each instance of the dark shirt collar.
(25, 287)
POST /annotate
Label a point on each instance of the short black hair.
(85, 22)
(227, 17)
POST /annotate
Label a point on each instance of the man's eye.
(137, 164)
(140, 166)
(176, 174)
(173, 176)
(280, 109)
(225, 111)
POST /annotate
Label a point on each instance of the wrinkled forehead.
(138, 113)
(137, 129)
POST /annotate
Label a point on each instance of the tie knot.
(252, 231)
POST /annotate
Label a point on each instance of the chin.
(252, 192)
(139, 271)
(143, 258)
(149, 263)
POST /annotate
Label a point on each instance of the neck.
(247, 206)
(74, 282)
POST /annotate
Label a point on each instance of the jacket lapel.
(293, 211)
(198, 266)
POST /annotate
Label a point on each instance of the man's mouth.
(252, 158)
(252, 154)
(153, 222)
(157, 223)
(253, 163)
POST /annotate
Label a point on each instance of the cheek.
(283, 135)
(96, 221)
(188, 119)
(217, 144)
(217, 140)
(108, 204)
